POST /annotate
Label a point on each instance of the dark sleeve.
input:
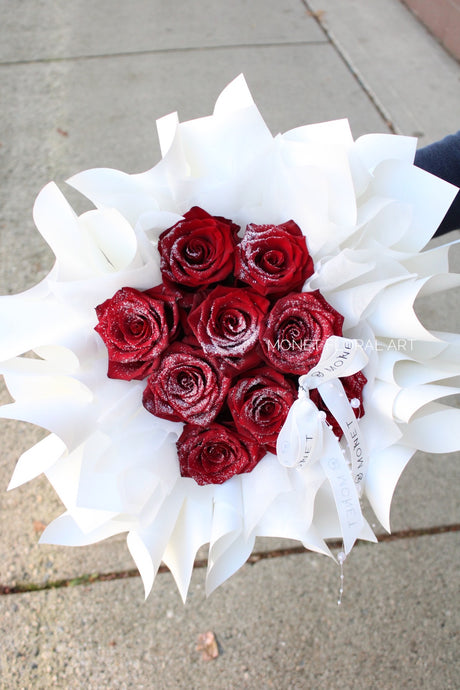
(443, 160)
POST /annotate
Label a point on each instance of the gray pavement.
(81, 86)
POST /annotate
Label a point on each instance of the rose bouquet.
(226, 347)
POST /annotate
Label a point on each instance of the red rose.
(296, 329)
(214, 454)
(273, 259)
(353, 386)
(198, 250)
(136, 328)
(227, 324)
(259, 404)
(187, 386)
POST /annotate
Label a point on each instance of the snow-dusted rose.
(136, 328)
(186, 386)
(214, 454)
(259, 403)
(296, 329)
(273, 259)
(227, 324)
(198, 250)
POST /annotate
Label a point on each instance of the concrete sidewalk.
(82, 84)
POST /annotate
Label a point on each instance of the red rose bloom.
(227, 324)
(213, 455)
(198, 250)
(259, 404)
(273, 259)
(136, 328)
(353, 386)
(187, 386)
(296, 329)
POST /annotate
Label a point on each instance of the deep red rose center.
(136, 324)
(198, 252)
(292, 329)
(272, 261)
(216, 452)
(266, 410)
(189, 380)
(233, 322)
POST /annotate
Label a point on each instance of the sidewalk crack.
(24, 588)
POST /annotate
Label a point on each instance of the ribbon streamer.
(344, 491)
(306, 438)
(334, 396)
(341, 357)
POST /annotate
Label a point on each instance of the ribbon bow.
(306, 438)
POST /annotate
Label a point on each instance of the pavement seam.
(159, 51)
(256, 557)
(342, 53)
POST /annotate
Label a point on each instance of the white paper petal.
(25, 324)
(290, 515)
(383, 474)
(431, 261)
(393, 316)
(410, 373)
(236, 96)
(260, 488)
(373, 149)
(113, 189)
(429, 197)
(65, 531)
(56, 403)
(235, 556)
(37, 460)
(228, 549)
(327, 145)
(112, 235)
(434, 429)
(192, 530)
(409, 400)
(147, 546)
(166, 129)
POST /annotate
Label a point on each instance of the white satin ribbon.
(306, 438)
(346, 496)
(300, 440)
(341, 357)
(333, 394)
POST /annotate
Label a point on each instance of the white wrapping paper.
(366, 212)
